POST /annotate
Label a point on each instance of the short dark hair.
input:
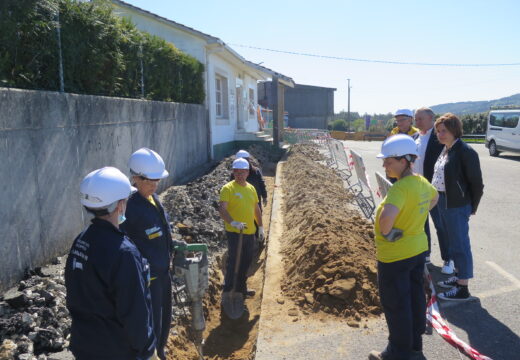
(452, 123)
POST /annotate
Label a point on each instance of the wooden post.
(276, 112)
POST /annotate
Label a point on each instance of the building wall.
(184, 41)
(50, 141)
(309, 106)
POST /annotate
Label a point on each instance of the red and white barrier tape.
(435, 319)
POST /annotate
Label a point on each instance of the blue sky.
(440, 31)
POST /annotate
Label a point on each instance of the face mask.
(121, 219)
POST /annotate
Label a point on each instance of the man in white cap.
(239, 209)
(404, 119)
(107, 279)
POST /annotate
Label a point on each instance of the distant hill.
(472, 107)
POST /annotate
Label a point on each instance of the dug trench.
(328, 268)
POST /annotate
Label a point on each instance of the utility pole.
(348, 108)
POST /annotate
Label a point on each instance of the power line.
(375, 61)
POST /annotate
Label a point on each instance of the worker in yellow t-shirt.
(239, 209)
(401, 244)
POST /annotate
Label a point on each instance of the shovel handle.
(238, 257)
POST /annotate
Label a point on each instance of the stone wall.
(50, 141)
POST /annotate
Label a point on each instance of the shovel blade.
(233, 304)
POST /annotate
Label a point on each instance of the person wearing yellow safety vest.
(239, 209)
(404, 119)
(148, 227)
(107, 279)
(401, 244)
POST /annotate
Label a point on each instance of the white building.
(230, 80)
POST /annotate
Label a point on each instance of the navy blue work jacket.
(108, 297)
(149, 228)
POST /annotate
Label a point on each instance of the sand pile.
(329, 249)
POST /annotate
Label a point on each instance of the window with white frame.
(252, 104)
(221, 96)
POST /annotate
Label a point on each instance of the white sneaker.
(448, 267)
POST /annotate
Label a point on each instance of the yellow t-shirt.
(410, 132)
(412, 196)
(242, 201)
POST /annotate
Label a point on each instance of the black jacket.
(108, 296)
(433, 150)
(463, 177)
(149, 228)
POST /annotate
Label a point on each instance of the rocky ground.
(328, 248)
(34, 321)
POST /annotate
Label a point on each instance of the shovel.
(232, 301)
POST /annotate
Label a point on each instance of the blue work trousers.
(441, 234)
(246, 258)
(403, 300)
(456, 223)
(161, 292)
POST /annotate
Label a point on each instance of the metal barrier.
(361, 189)
(336, 158)
(382, 184)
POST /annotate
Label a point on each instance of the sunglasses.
(151, 180)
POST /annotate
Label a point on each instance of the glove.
(264, 201)
(238, 225)
(260, 233)
(179, 243)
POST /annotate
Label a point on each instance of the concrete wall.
(50, 141)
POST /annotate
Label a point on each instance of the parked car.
(503, 131)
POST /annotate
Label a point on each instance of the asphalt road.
(490, 323)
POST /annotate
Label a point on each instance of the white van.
(503, 131)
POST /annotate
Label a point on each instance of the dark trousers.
(246, 258)
(404, 304)
(161, 292)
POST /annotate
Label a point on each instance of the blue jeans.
(404, 303)
(442, 237)
(456, 223)
(246, 257)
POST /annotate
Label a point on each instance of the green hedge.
(102, 54)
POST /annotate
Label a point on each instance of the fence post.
(60, 58)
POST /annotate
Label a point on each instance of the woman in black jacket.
(458, 179)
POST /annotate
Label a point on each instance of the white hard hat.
(398, 145)
(404, 112)
(240, 164)
(242, 154)
(147, 163)
(103, 187)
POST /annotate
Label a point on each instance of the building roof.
(314, 87)
(211, 40)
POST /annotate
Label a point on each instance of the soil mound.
(329, 249)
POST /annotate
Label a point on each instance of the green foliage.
(474, 123)
(338, 125)
(102, 54)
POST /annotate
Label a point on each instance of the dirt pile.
(34, 321)
(329, 250)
